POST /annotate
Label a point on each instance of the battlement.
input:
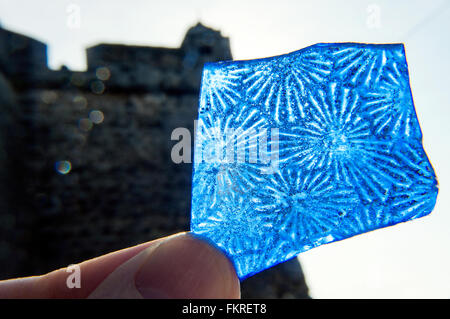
(137, 68)
(21, 56)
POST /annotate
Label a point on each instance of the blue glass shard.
(307, 148)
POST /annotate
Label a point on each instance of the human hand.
(178, 266)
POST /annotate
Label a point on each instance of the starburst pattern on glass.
(346, 158)
(280, 85)
(304, 206)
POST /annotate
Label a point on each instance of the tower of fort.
(85, 165)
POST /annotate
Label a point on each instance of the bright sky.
(411, 260)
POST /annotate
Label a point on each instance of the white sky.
(410, 260)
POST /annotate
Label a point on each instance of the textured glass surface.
(303, 149)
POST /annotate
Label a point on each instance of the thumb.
(179, 266)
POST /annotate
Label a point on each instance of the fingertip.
(186, 266)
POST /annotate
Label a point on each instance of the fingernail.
(186, 267)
